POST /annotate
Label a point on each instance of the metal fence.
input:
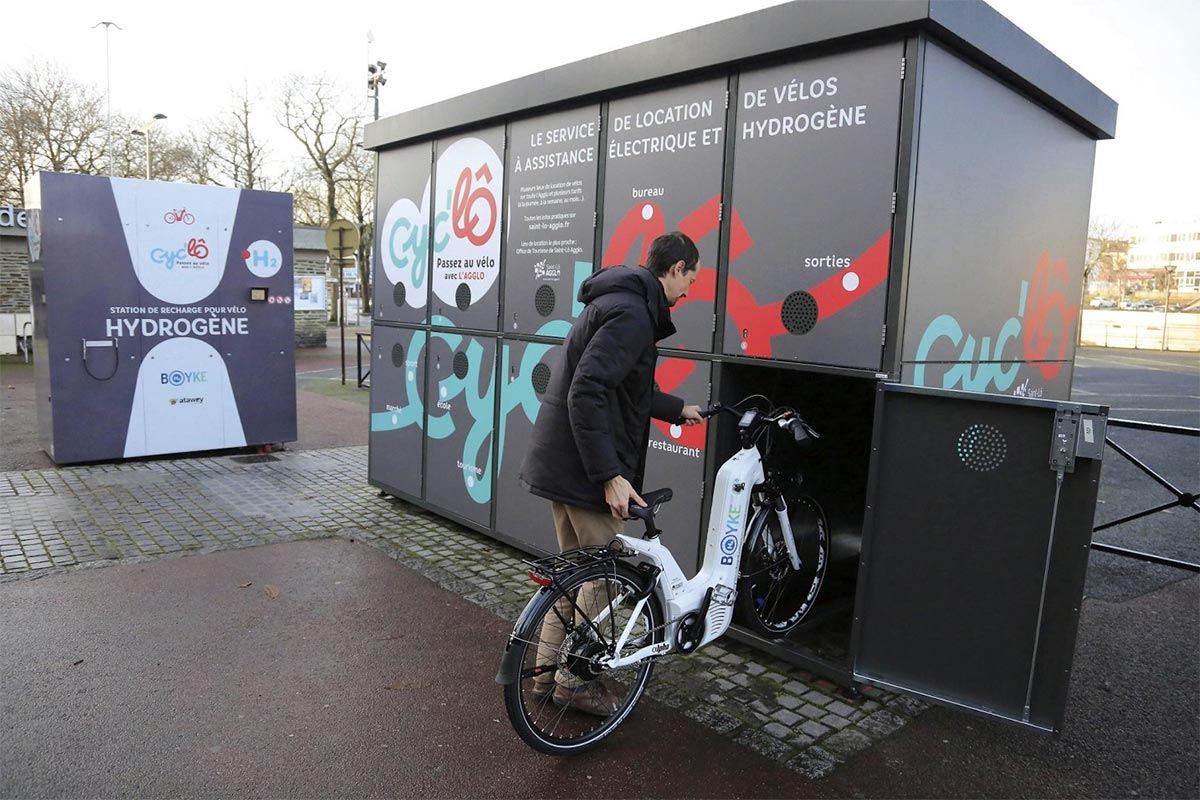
(1184, 499)
(1141, 330)
(363, 341)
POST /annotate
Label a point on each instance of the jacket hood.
(638, 281)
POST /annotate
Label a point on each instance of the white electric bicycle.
(762, 554)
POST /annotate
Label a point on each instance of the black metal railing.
(363, 340)
(1182, 498)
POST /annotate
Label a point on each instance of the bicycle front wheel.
(774, 597)
(563, 701)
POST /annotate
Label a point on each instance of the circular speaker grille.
(461, 365)
(982, 447)
(541, 378)
(398, 294)
(799, 312)
(543, 300)
(462, 297)
(398, 356)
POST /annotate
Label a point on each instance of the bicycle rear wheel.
(541, 702)
(775, 598)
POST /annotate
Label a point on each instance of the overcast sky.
(182, 60)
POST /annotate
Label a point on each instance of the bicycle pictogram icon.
(178, 215)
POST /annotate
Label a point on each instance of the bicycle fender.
(510, 661)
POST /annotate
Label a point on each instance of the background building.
(1158, 245)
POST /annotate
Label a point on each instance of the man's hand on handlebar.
(618, 492)
(691, 415)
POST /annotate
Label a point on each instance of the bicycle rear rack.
(571, 560)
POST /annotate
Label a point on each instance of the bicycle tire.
(773, 598)
(540, 721)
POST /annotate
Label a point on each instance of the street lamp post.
(144, 132)
(375, 79)
(1170, 268)
(108, 91)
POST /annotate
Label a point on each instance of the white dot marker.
(411, 376)
(647, 211)
(395, 419)
(676, 431)
(470, 482)
(443, 392)
(850, 281)
(743, 344)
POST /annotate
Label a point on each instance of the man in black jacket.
(588, 451)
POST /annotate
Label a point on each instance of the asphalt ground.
(1145, 386)
(172, 678)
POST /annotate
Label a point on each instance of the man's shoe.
(590, 698)
(541, 691)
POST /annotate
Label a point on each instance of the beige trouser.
(575, 527)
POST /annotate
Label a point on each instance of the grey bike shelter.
(891, 203)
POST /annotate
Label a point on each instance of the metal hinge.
(726, 99)
(1063, 441)
(893, 202)
(714, 330)
(883, 337)
(720, 211)
(903, 63)
(593, 219)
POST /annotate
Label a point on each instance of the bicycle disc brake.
(580, 654)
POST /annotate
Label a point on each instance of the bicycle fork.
(779, 505)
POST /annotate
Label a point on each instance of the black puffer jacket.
(594, 422)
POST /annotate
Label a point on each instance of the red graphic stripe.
(632, 227)
(670, 375)
(756, 324)
(871, 268)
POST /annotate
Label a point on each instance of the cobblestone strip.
(135, 511)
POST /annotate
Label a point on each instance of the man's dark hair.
(669, 248)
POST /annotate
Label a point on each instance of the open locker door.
(975, 544)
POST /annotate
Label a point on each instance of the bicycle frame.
(728, 525)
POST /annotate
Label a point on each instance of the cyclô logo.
(190, 256)
(179, 378)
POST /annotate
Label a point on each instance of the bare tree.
(227, 151)
(308, 197)
(313, 109)
(356, 194)
(1108, 256)
(48, 121)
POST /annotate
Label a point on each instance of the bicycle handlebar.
(784, 417)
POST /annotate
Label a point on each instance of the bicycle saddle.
(653, 500)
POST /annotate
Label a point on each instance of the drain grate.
(260, 458)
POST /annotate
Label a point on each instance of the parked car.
(1103, 302)
(1145, 305)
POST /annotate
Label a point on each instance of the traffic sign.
(341, 238)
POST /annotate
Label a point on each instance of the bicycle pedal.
(724, 595)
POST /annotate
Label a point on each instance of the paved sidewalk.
(91, 515)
